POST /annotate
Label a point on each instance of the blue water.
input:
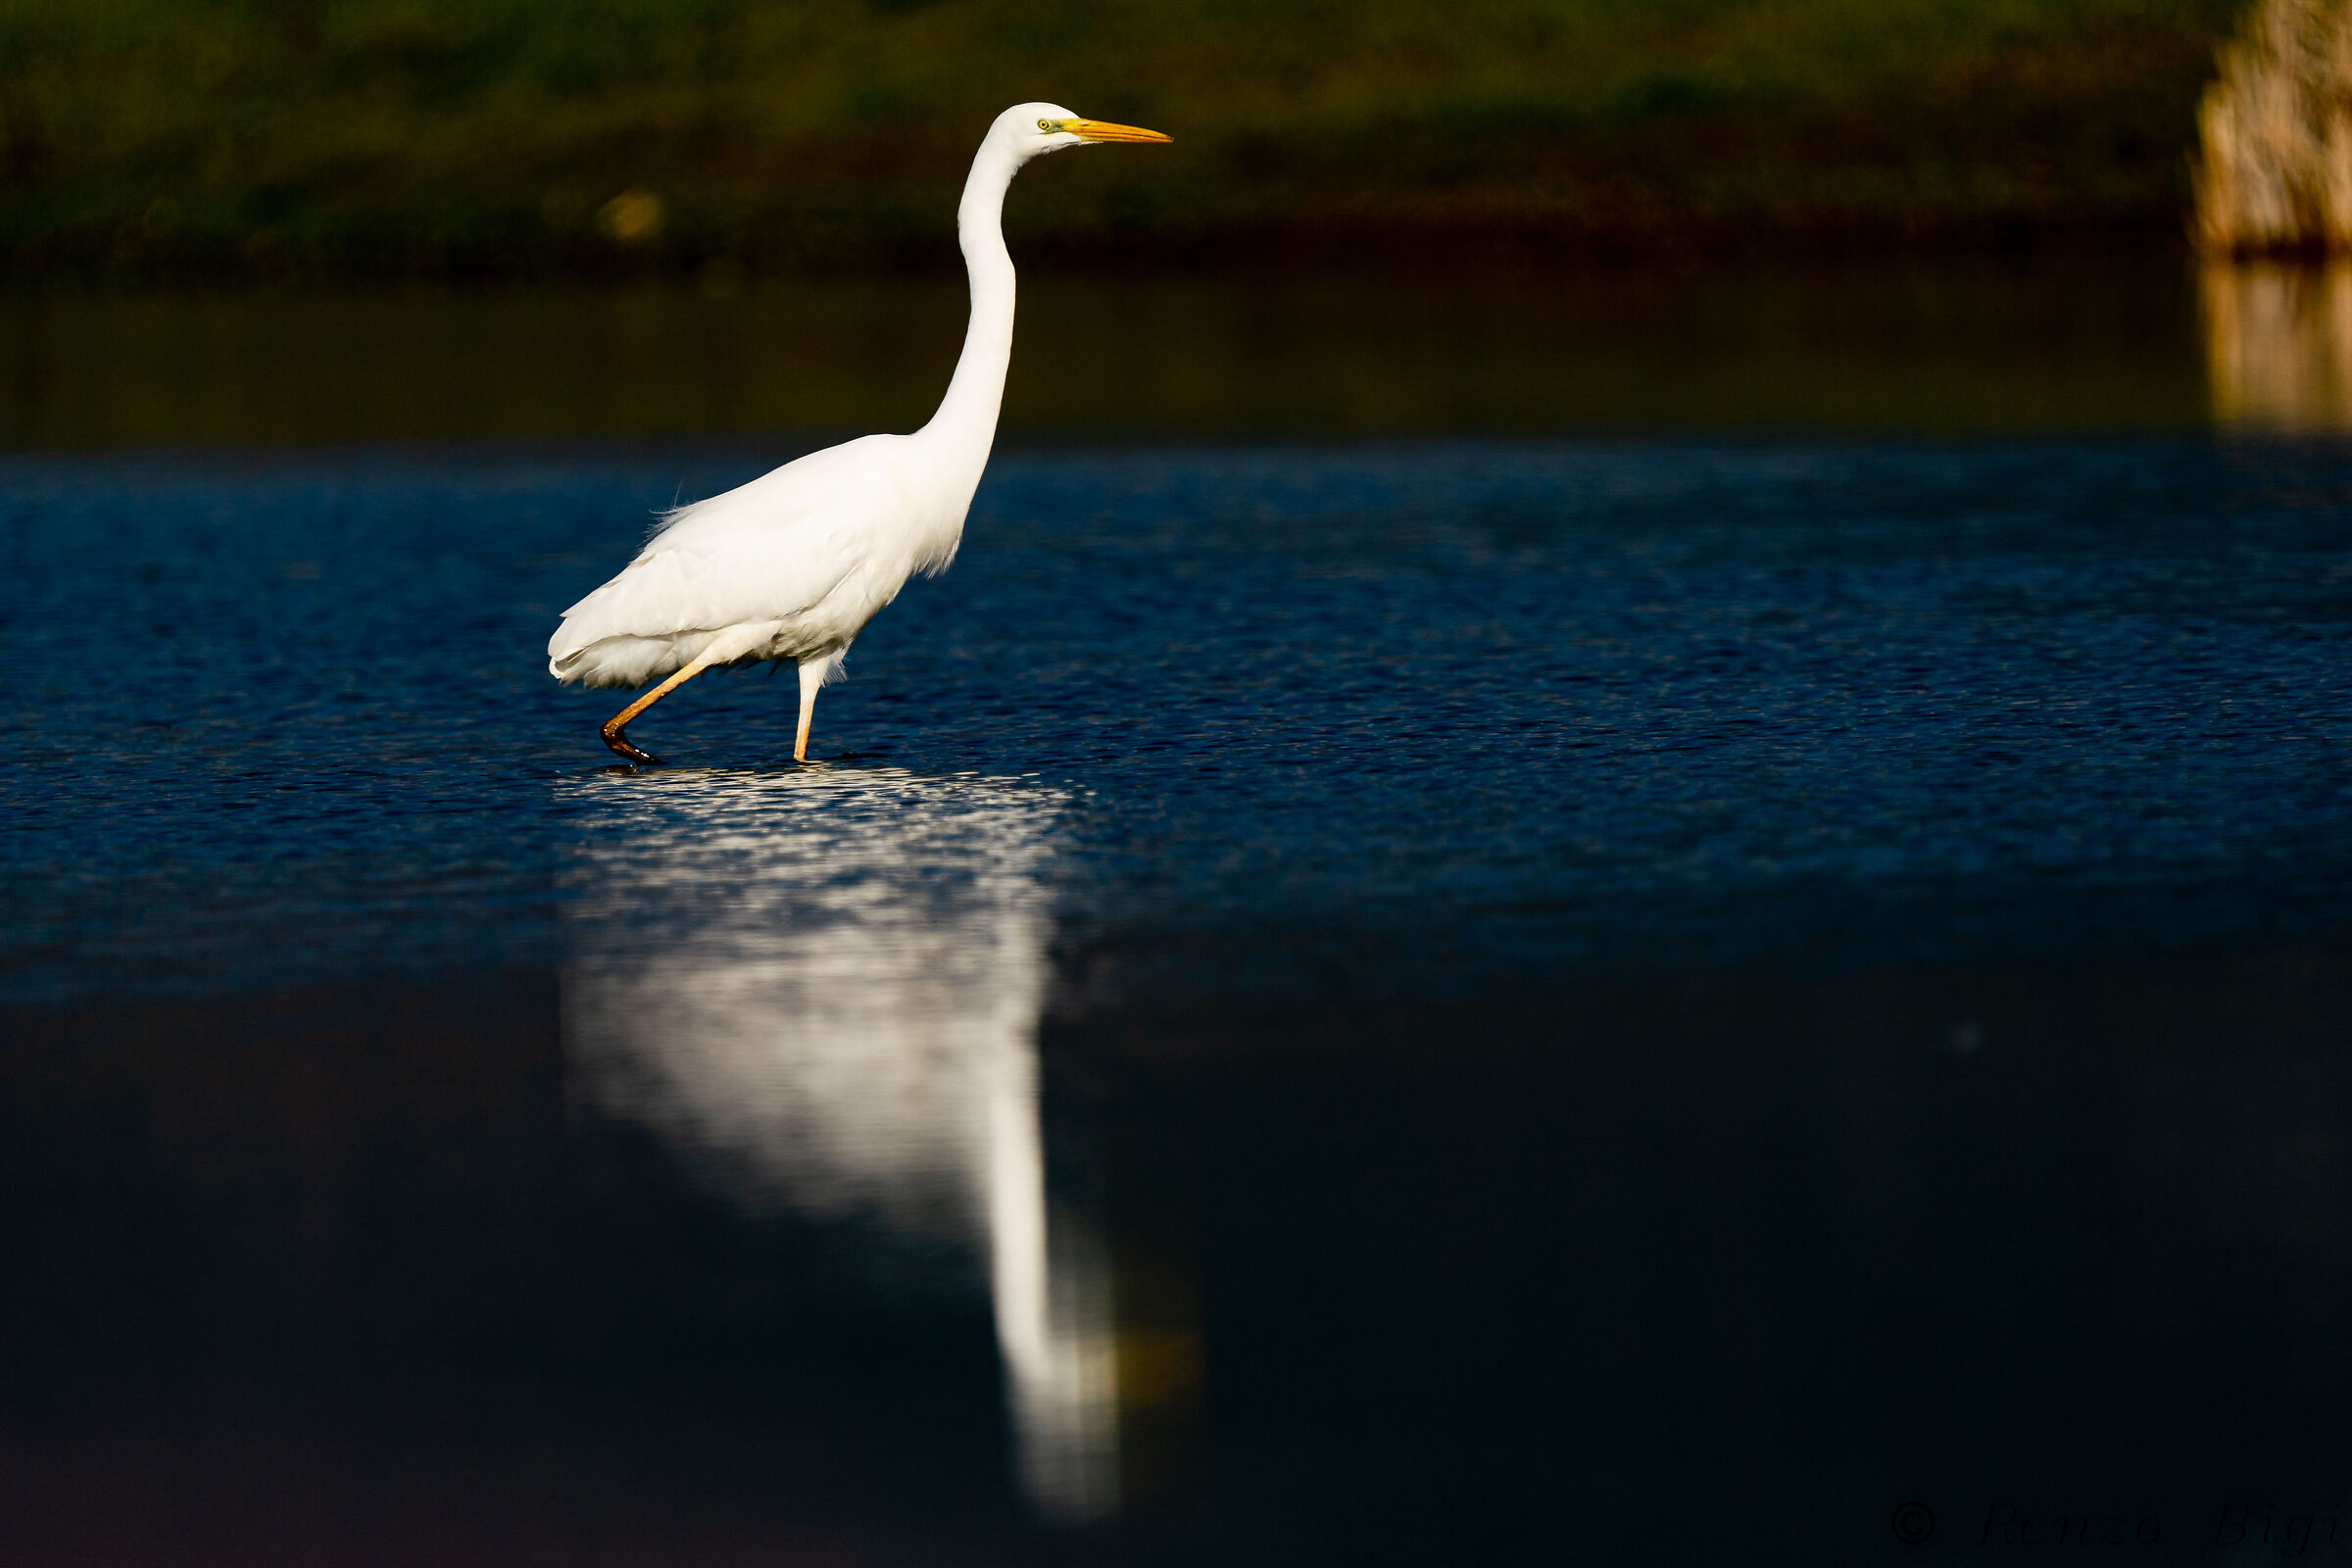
(1662, 1001)
(1385, 715)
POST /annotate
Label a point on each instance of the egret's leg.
(812, 677)
(620, 723)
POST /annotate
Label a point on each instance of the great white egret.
(795, 563)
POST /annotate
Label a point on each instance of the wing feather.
(765, 550)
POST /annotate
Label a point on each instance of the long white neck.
(965, 426)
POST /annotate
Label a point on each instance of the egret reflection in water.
(823, 988)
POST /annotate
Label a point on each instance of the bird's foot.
(618, 739)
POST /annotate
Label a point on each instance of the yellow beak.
(1104, 130)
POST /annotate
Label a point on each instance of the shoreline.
(1347, 249)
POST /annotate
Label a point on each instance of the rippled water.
(1462, 703)
(1418, 1001)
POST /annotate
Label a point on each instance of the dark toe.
(621, 744)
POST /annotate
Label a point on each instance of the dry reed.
(2275, 169)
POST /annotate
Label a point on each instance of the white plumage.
(789, 565)
(795, 563)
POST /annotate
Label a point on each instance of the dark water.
(1970, 346)
(1448, 1002)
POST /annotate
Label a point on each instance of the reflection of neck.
(965, 426)
(1054, 1318)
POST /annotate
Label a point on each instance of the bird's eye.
(1045, 125)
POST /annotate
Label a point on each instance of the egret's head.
(1033, 129)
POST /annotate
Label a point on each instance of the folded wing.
(767, 550)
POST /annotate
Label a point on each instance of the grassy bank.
(148, 139)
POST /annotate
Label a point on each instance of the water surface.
(1944, 347)
(1443, 999)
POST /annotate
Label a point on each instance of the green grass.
(430, 138)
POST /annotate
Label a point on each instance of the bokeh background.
(147, 139)
(303, 222)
